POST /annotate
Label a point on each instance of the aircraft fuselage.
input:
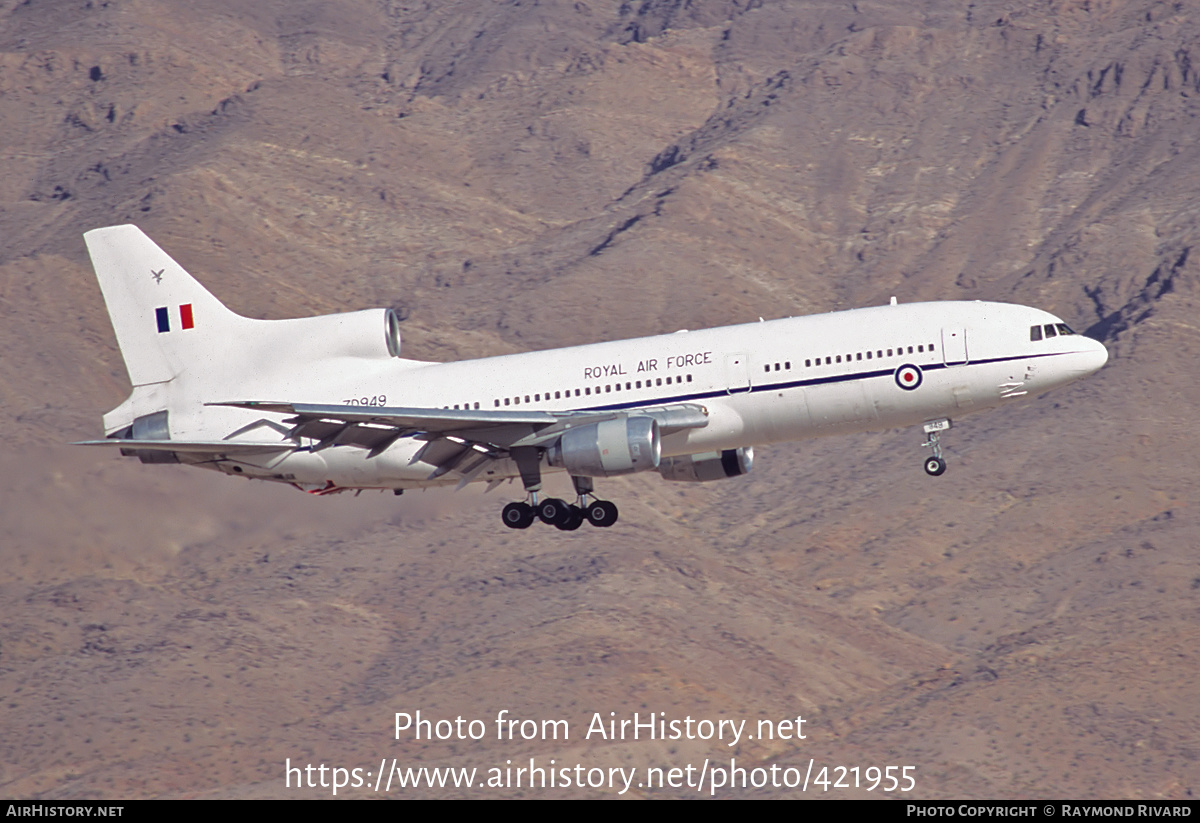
(761, 383)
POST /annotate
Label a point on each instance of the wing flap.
(376, 428)
(414, 419)
(319, 421)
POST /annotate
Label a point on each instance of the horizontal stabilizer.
(213, 447)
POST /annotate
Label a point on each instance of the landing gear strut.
(521, 515)
(935, 465)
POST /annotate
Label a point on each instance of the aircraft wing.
(454, 430)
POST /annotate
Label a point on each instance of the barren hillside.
(522, 175)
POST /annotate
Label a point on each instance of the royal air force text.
(675, 361)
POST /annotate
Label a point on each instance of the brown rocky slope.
(525, 175)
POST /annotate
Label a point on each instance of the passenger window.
(868, 355)
(689, 378)
(858, 356)
(766, 366)
(839, 358)
(787, 364)
(658, 381)
(921, 349)
(807, 364)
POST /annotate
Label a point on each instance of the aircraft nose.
(1090, 359)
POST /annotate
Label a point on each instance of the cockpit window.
(1049, 330)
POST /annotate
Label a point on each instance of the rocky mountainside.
(525, 175)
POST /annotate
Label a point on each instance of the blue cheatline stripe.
(795, 384)
(164, 319)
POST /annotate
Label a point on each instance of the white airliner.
(327, 404)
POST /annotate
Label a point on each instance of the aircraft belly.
(849, 406)
(726, 428)
(949, 392)
(352, 467)
(775, 416)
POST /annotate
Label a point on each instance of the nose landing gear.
(935, 465)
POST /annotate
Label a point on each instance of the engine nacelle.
(369, 334)
(391, 331)
(149, 427)
(700, 468)
(622, 446)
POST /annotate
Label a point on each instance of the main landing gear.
(935, 464)
(552, 511)
(559, 513)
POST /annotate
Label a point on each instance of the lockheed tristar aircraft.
(327, 404)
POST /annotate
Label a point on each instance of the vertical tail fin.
(162, 316)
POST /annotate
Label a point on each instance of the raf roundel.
(908, 377)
